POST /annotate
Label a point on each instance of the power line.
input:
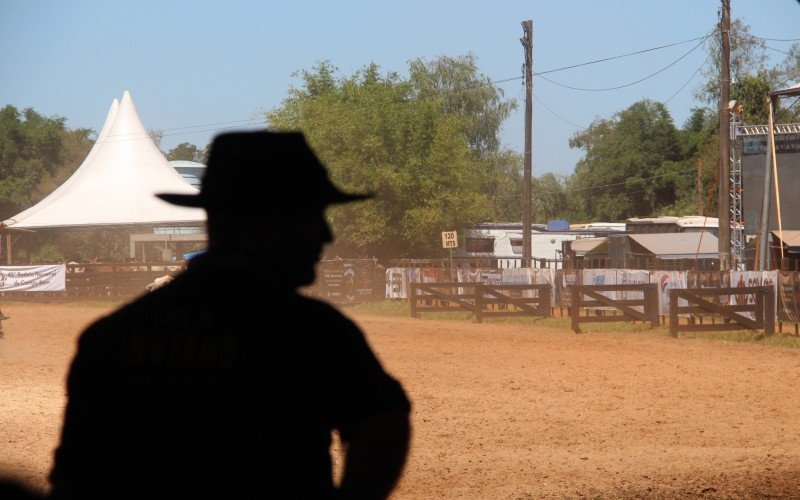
(563, 68)
(689, 80)
(620, 56)
(556, 114)
(635, 82)
(626, 182)
(771, 39)
(142, 135)
(777, 50)
(255, 121)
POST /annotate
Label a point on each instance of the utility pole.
(527, 43)
(699, 187)
(724, 204)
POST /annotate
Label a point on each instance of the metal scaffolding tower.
(738, 132)
(737, 217)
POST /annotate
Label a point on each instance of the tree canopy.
(37, 153)
(630, 163)
(433, 158)
(187, 152)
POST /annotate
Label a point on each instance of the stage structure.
(754, 210)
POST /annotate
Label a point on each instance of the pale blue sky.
(200, 62)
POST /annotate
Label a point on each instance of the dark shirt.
(201, 389)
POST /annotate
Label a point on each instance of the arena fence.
(115, 280)
(622, 302)
(757, 315)
(480, 299)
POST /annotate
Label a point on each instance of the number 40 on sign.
(449, 239)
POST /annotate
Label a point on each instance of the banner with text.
(50, 278)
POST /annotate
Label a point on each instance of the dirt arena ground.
(509, 411)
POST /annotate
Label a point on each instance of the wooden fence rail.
(481, 299)
(596, 299)
(763, 309)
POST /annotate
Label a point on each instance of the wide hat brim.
(263, 171)
(199, 201)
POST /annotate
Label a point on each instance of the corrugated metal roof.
(679, 245)
(584, 245)
(791, 237)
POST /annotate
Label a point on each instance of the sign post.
(450, 241)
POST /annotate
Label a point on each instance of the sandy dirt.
(508, 411)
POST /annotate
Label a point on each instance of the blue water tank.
(557, 225)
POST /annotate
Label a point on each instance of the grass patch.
(100, 303)
(746, 336)
(400, 308)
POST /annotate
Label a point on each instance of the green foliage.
(31, 149)
(47, 253)
(433, 160)
(99, 245)
(187, 152)
(751, 91)
(748, 57)
(462, 91)
(633, 164)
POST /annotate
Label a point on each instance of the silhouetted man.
(226, 383)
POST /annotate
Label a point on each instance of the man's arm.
(376, 453)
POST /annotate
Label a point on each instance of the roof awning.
(699, 244)
(788, 92)
(791, 239)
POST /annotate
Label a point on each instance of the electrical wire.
(251, 122)
(631, 83)
(625, 182)
(556, 114)
(689, 80)
(771, 39)
(621, 55)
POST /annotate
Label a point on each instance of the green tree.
(395, 137)
(187, 152)
(31, 149)
(76, 145)
(748, 57)
(463, 91)
(631, 166)
(549, 199)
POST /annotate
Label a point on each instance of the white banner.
(752, 278)
(396, 283)
(51, 278)
(668, 280)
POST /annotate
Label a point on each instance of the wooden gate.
(480, 299)
(596, 299)
(432, 297)
(763, 310)
(516, 304)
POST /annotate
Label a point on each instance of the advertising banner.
(396, 283)
(667, 280)
(46, 278)
(345, 281)
(753, 278)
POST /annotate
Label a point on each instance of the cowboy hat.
(263, 170)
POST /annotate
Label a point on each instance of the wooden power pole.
(527, 42)
(724, 205)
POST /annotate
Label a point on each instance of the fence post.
(769, 310)
(412, 299)
(479, 302)
(673, 314)
(651, 294)
(544, 300)
(575, 308)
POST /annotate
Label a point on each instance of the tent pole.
(763, 226)
(775, 174)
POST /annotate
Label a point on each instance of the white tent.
(116, 183)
